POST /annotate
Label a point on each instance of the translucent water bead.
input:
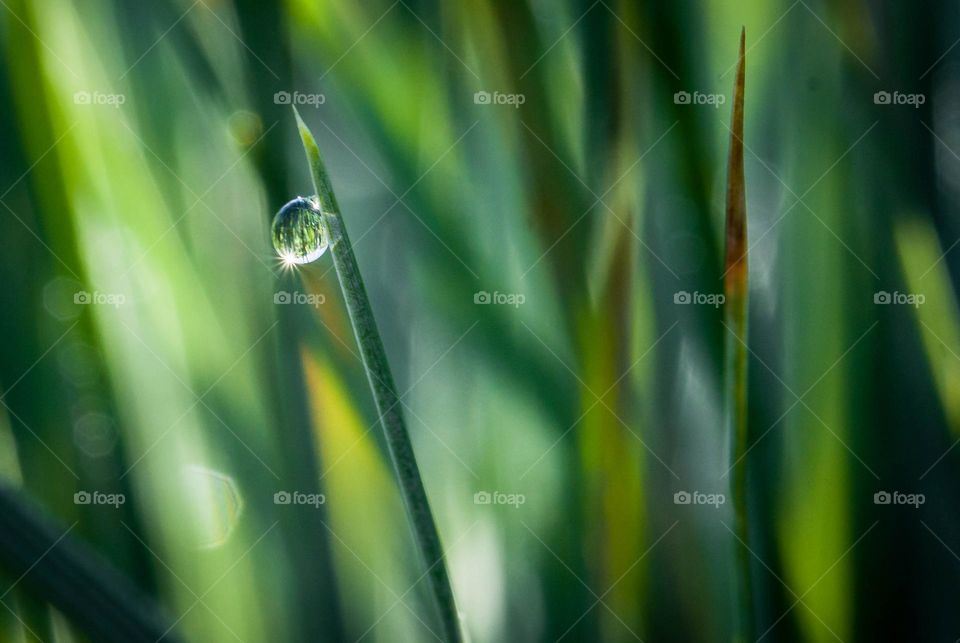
(299, 235)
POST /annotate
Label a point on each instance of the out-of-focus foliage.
(535, 192)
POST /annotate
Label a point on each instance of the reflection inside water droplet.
(299, 235)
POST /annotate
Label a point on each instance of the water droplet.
(299, 234)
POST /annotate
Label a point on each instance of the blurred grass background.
(148, 350)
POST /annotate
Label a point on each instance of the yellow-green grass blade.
(936, 309)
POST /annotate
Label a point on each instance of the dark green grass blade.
(57, 569)
(384, 391)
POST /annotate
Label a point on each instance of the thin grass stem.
(736, 287)
(384, 392)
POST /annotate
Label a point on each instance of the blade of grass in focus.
(384, 391)
(735, 287)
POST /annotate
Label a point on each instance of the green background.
(147, 350)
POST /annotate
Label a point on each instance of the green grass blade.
(735, 288)
(939, 316)
(384, 391)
